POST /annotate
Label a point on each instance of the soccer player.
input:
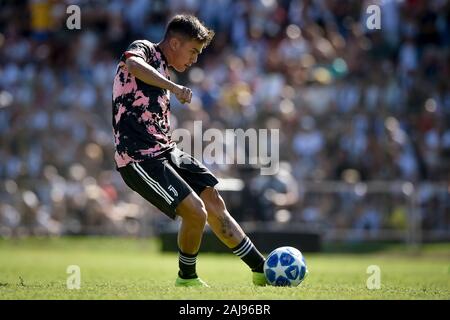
(150, 162)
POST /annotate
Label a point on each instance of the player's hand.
(183, 94)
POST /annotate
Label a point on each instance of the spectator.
(349, 103)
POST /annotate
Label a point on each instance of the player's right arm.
(143, 71)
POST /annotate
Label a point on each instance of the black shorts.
(166, 180)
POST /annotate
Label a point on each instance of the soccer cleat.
(259, 279)
(196, 282)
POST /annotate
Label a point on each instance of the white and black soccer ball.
(285, 266)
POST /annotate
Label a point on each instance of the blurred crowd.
(352, 104)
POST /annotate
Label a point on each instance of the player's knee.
(194, 210)
(213, 201)
(200, 215)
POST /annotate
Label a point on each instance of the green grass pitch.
(117, 268)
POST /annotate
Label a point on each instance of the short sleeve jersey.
(141, 112)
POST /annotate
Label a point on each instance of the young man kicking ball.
(150, 162)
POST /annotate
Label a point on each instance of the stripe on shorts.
(152, 183)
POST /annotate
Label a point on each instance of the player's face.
(187, 54)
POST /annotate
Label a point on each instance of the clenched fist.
(183, 94)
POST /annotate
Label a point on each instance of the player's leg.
(202, 181)
(231, 234)
(220, 220)
(193, 214)
(159, 184)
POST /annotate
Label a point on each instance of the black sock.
(186, 263)
(250, 255)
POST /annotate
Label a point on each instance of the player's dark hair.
(190, 27)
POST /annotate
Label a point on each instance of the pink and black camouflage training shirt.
(141, 112)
